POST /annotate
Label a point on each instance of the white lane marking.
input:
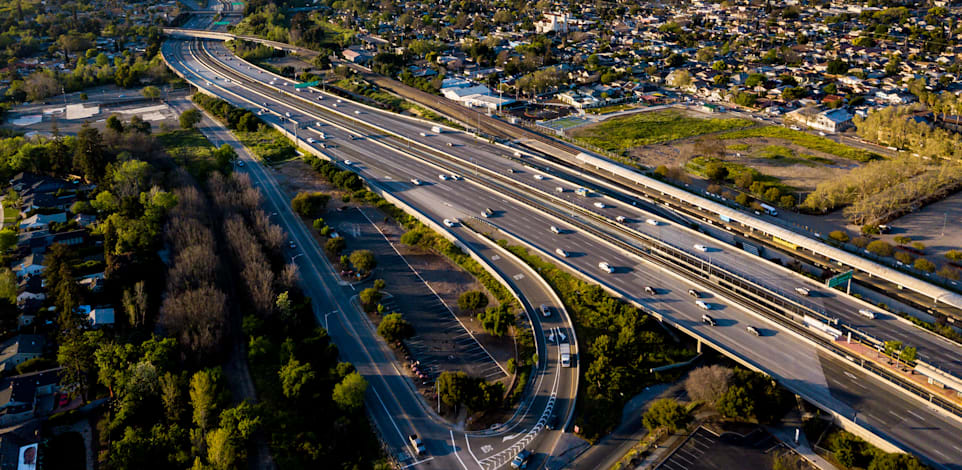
(851, 375)
(468, 445)
(915, 414)
(418, 462)
(454, 447)
(378, 396)
(896, 415)
(513, 436)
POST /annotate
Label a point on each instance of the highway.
(380, 159)
(400, 407)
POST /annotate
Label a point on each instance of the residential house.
(24, 397)
(42, 221)
(831, 120)
(20, 348)
(30, 288)
(30, 265)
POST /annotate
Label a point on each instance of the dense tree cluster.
(458, 388)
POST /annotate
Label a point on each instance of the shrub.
(325, 231)
(472, 300)
(369, 297)
(839, 236)
(319, 224)
(335, 246)
(787, 201)
(379, 284)
(665, 413)
(904, 257)
(496, 320)
(923, 264)
(919, 246)
(861, 242)
(742, 199)
(949, 272)
(394, 328)
(954, 255)
(870, 229)
(363, 260)
(880, 248)
(308, 204)
(773, 194)
(714, 189)
(902, 239)
(716, 170)
(661, 171)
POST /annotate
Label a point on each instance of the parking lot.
(706, 451)
(440, 343)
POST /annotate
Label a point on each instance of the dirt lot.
(447, 280)
(792, 168)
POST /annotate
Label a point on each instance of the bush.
(714, 189)
(369, 298)
(379, 284)
(742, 199)
(189, 118)
(954, 255)
(839, 236)
(919, 246)
(861, 242)
(787, 201)
(902, 239)
(472, 300)
(949, 272)
(394, 328)
(319, 224)
(363, 260)
(308, 204)
(661, 171)
(716, 170)
(880, 248)
(457, 388)
(335, 246)
(496, 320)
(904, 257)
(665, 413)
(870, 229)
(923, 264)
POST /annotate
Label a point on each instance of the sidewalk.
(785, 432)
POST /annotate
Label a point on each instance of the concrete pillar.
(698, 347)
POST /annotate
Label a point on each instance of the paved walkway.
(785, 432)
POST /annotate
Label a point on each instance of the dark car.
(552, 423)
(521, 460)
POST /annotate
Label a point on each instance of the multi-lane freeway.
(392, 163)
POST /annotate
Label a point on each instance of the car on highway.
(561, 253)
(443, 177)
(488, 212)
(357, 111)
(606, 267)
(455, 177)
(694, 293)
(652, 222)
(708, 320)
(417, 444)
(240, 163)
(415, 181)
(340, 100)
(554, 229)
(650, 290)
(545, 310)
(538, 177)
(521, 460)
(803, 291)
(288, 114)
(600, 205)
(292, 244)
(552, 422)
(704, 305)
(348, 162)
(621, 218)
(450, 222)
(320, 98)
(310, 140)
(867, 313)
(559, 189)
(701, 247)
(334, 105)
(751, 329)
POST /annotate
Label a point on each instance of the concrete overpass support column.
(698, 347)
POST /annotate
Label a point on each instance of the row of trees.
(738, 393)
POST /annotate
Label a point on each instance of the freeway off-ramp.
(793, 361)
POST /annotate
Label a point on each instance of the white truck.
(436, 129)
(565, 349)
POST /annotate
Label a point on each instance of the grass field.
(611, 109)
(785, 156)
(10, 214)
(267, 144)
(621, 133)
(696, 166)
(804, 139)
(191, 149)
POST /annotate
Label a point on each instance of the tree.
(847, 449)
(895, 462)
(150, 92)
(954, 255)
(902, 239)
(369, 297)
(89, 153)
(295, 378)
(923, 264)
(949, 272)
(679, 78)
(716, 170)
(708, 384)
(222, 452)
(205, 396)
(335, 245)
(661, 171)
(665, 413)
(742, 199)
(736, 403)
(308, 204)
(394, 328)
(472, 300)
(363, 260)
(172, 396)
(496, 320)
(76, 356)
(190, 118)
(880, 248)
(8, 239)
(349, 393)
(839, 236)
(904, 257)
(114, 123)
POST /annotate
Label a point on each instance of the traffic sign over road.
(841, 279)
(307, 84)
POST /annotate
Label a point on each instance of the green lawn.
(621, 133)
(267, 144)
(10, 214)
(806, 140)
(191, 149)
(611, 109)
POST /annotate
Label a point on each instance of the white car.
(455, 177)
(621, 218)
(538, 177)
(545, 310)
(320, 98)
(415, 181)
(703, 305)
(867, 313)
(606, 267)
(310, 140)
(340, 100)
(334, 104)
(600, 205)
(652, 222)
(348, 162)
(561, 253)
(357, 111)
(753, 330)
(288, 114)
(450, 223)
(554, 229)
(319, 124)
(701, 247)
(443, 177)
